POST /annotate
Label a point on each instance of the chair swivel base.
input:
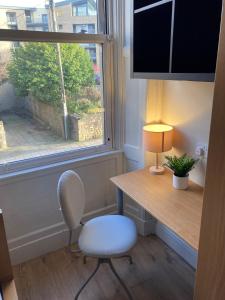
(109, 262)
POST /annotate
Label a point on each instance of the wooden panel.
(179, 210)
(210, 284)
(9, 291)
(5, 265)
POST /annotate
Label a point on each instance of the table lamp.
(157, 139)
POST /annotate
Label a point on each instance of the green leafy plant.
(182, 165)
(83, 106)
(34, 70)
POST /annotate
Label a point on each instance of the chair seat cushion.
(108, 236)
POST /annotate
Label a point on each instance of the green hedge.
(34, 69)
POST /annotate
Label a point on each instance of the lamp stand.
(157, 170)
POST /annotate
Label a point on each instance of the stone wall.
(46, 114)
(3, 143)
(89, 126)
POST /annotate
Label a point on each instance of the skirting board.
(151, 226)
(47, 239)
(144, 227)
(177, 244)
(55, 237)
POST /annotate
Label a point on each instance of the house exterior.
(19, 18)
(23, 18)
(78, 16)
(37, 19)
(74, 16)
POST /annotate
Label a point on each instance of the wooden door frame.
(210, 280)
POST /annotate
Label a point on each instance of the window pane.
(45, 18)
(91, 8)
(35, 96)
(80, 9)
(84, 28)
(37, 15)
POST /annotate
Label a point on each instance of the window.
(45, 19)
(59, 14)
(13, 27)
(64, 83)
(84, 28)
(91, 8)
(16, 44)
(11, 17)
(90, 29)
(28, 16)
(92, 52)
(80, 10)
(83, 12)
(85, 8)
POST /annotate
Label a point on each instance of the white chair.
(104, 237)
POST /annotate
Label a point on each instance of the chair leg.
(84, 259)
(86, 282)
(130, 259)
(109, 262)
(70, 244)
(127, 256)
(120, 280)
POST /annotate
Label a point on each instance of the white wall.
(34, 224)
(185, 105)
(135, 102)
(188, 107)
(134, 108)
(8, 100)
(135, 93)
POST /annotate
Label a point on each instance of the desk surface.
(179, 210)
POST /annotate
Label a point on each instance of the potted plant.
(181, 166)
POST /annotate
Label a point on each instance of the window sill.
(52, 167)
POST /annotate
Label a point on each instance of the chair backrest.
(71, 197)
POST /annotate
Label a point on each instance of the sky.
(25, 3)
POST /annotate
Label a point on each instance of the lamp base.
(156, 170)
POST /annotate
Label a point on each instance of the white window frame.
(108, 80)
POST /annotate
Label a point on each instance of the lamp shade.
(158, 138)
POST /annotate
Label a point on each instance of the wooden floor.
(157, 274)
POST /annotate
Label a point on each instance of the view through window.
(51, 94)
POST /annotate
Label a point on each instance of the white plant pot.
(180, 183)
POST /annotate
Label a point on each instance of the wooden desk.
(179, 210)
